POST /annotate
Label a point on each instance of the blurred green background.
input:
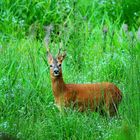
(102, 39)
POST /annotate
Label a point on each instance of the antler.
(60, 48)
(48, 29)
(61, 55)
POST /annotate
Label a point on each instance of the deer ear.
(61, 57)
(64, 55)
(50, 57)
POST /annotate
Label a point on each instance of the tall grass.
(98, 49)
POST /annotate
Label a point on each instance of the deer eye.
(51, 66)
(59, 65)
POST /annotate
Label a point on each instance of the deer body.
(86, 96)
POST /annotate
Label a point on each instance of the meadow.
(102, 41)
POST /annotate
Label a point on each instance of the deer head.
(55, 63)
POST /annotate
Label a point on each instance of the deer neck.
(58, 86)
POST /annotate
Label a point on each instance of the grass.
(27, 109)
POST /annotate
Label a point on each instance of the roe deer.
(96, 97)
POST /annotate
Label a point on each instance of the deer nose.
(56, 71)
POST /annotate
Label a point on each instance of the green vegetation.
(98, 49)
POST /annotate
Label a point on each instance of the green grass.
(27, 109)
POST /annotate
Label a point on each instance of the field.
(102, 41)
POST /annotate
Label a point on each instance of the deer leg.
(113, 109)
